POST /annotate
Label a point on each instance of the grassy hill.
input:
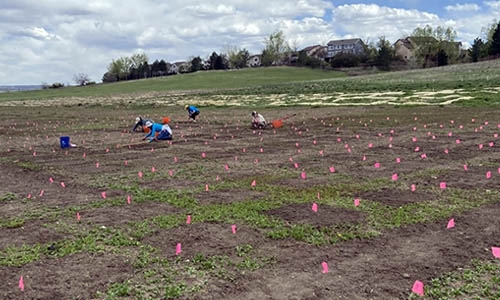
(468, 84)
(199, 81)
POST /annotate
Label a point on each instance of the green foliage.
(8, 197)
(344, 60)
(276, 49)
(385, 54)
(118, 289)
(494, 43)
(481, 280)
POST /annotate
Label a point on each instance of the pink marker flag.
(171, 172)
(153, 169)
(451, 224)
(442, 185)
(175, 158)
(465, 168)
(332, 169)
(178, 249)
(103, 195)
(34, 153)
(356, 202)
(125, 163)
(41, 193)
(303, 175)
(21, 283)
(480, 146)
(296, 165)
(488, 174)
(495, 251)
(226, 167)
(188, 219)
(206, 187)
(62, 184)
(324, 265)
(97, 165)
(398, 160)
(364, 157)
(413, 187)
(203, 154)
(446, 151)
(395, 177)
(314, 207)
(51, 180)
(29, 196)
(129, 199)
(140, 174)
(233, 228)
(84, 155)
(377, 165)
(457, 141)
(418, 288)
(254, 183)
(78, 216)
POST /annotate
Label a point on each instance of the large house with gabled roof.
(352, 46)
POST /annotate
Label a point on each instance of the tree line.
(436, 47)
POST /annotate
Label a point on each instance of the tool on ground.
(279, 122)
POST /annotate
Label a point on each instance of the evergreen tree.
(494, 48)
(475, 50)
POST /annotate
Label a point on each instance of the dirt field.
(250, 196)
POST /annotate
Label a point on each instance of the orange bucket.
(166, 120)
(146, 129)
(277, 123)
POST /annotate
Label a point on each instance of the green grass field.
(477, 82)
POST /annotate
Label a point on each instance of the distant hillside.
(475, 84)
(199, 81)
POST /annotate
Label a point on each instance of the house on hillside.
(316, 51)
(352, 46)
(254, 61)
(178, 67)
(407, 48)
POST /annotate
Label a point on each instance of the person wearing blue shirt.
(164, 132)
(193, 111)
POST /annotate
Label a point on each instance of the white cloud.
(468, 7)
(494, 5)
(51, 40)
(370, 21)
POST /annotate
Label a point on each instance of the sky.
(48, 41)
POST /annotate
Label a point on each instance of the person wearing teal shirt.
(193, 111)
(163, 130)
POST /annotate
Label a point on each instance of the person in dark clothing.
(140, 124)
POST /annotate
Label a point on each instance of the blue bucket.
(64, 140)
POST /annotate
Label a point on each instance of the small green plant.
(8, 197)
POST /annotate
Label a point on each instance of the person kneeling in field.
(193, 111)
(258, 121)
(158, 132)
(141, 124)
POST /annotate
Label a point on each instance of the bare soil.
(350, 139)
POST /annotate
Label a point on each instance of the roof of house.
(343, 42)
(311, 48)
